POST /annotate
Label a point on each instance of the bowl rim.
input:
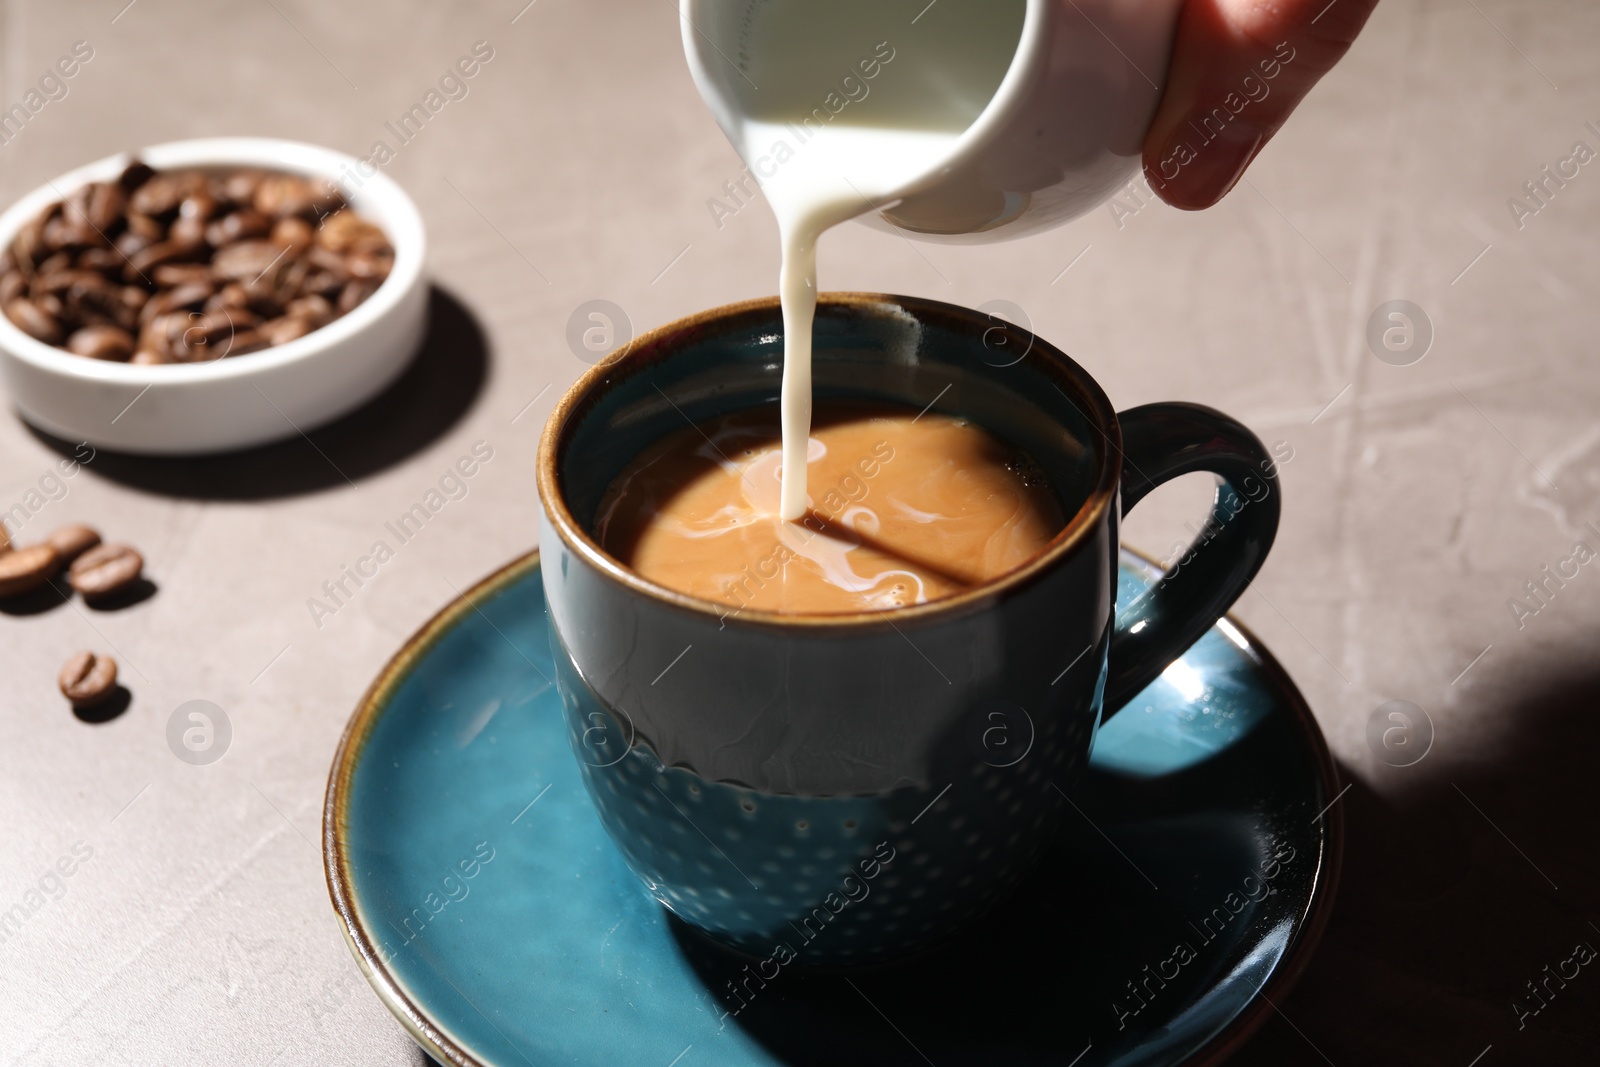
(377, 195)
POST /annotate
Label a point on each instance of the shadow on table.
(57, 591)
(47, 597)
(1472, 876)
(430, 397)
(106, 710)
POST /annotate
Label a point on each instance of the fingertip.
(1196, 171)
(1239, 68)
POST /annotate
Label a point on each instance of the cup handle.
(1161, 442)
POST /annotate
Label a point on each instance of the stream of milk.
(839, 174)
(866, 98)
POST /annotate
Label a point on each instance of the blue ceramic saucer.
(495, 919)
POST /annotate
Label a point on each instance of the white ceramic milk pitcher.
(1035, 111)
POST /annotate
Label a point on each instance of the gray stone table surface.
(1419, 500)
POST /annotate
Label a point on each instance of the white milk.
(845, 104)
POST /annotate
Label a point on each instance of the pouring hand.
(1239, 68)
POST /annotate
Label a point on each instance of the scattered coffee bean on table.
(104, 570)
(97, 570)
(190, 266)
(23, 570)
(88, 678)
(72, 541)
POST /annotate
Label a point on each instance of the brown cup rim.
(640, 354)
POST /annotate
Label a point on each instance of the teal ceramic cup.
(826, 790)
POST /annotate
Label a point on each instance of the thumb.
(1239, 67)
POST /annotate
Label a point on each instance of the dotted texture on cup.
(755, 870)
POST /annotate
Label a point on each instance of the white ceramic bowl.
(176, 409)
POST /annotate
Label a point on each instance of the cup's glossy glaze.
(854, 786)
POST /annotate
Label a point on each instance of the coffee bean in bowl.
(132, 289)
(138, 264)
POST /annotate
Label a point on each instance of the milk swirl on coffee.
(905, 508)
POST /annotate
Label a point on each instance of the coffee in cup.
(905, 507)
